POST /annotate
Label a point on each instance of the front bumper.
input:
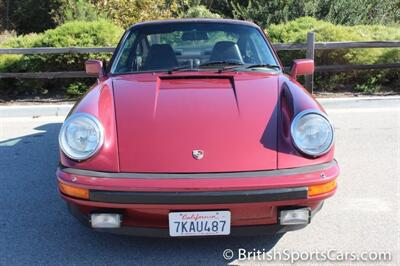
(144, 200)
(247, 230)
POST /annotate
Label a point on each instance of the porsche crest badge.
(198, 154)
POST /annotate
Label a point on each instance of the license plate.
(199, 223)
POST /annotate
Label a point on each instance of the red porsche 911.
(193, 129)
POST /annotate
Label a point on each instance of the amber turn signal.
(72, 191)
(321, 188)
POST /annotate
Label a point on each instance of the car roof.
(194, 20)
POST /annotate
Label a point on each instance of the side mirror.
(302, 67)
(94, 67)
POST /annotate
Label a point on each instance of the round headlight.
(312, 133)
(81, 136)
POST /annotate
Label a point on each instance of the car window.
(250, 54)
(260, 54)
(167, 46)
(125, 54)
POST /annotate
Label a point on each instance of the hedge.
(363, 81)
(104, 33)
(72, 34)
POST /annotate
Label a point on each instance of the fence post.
(310, 55)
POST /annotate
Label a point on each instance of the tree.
(199, 11)
(28, 16)
(80, 10)
(266, 12)
(128, 12)
(359, 11)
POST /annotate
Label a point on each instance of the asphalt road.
(364, 215)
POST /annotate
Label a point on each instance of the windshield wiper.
(181, 68)
(222, 62)
(263, 65)
(245, 66)
(212, 63)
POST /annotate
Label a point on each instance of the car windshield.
(193, 46)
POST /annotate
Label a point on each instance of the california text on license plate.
(202, 223)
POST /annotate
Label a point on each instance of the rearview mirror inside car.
(194, 36)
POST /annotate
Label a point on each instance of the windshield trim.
(215, 70)
(118, 51)
(193, 20)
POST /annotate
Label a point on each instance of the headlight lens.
(312, 133)
(81, 136)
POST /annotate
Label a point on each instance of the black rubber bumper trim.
(201, 197)
(266, 173)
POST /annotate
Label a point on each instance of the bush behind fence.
(105, 34)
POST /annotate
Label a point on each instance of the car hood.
(163, 119)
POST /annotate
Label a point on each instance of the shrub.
(296, 31)
(76, 89)
(81, 10)
(199, 11)
(78, 34)
(6, 35)
(128, 12)
(266, 12)
(104, 33)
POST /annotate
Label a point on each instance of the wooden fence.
(310, 46)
